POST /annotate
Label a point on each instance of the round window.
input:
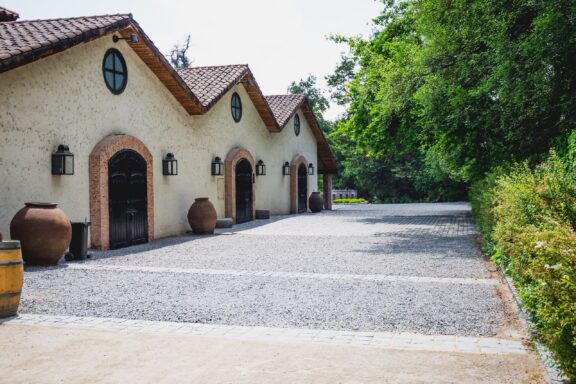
(115, 71)
(236, 107)
(296, 124)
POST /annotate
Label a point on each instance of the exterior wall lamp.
(260, 168)
(169, 165)
(217, 167)
(310, 169)
(286, 169)
(63, 161)
(132, 39)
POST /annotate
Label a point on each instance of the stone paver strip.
(294, 275)
(404, 341)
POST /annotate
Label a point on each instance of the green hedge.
(528, 219)
(349, 201)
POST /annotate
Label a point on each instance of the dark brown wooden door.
(244, 180)
(302, 189)
(127, 199)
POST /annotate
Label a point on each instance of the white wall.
(63, 99)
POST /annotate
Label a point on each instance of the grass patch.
(350, 201)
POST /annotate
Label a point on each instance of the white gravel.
(418, 240)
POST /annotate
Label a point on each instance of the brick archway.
(233, 157)
(98, 174)
(296, 162)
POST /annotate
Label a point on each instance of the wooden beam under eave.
(164, 72)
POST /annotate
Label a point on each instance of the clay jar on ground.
(44, 231)
(316, 202)
(202, 216)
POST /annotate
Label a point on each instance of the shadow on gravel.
(175, 240)
(404, 244)
(433, 220)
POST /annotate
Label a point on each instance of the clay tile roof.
(284, 106)
(209, 84)
(8, 15)
(25, 41)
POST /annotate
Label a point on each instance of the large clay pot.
(316, 202)
(44, 231)
(202, 216)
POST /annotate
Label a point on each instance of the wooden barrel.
(11, 277)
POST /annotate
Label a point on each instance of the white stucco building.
(121, 109)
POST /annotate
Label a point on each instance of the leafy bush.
(349, 201)
(529, 216)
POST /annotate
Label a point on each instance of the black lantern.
(286, 169)
(310, 169)
(63, 161)
(170, 165)
(133, 38)
(217, 167)
(260, 168)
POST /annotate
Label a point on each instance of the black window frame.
(297, 125)
(112, 87)
(236, 110)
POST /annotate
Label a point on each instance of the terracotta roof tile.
(209, 84)
(8, 15)
(284, 106)
(25, 41)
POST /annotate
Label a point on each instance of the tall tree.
(318, 102)
(178, 55)
(461, 86)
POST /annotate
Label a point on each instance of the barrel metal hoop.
(7, 263)
(10, 245)
(9, 295)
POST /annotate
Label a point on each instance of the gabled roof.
(285, 106)
(209, 84)
(8, 15)
(22, 42)
(197, 89)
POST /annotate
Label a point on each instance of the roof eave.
(158, 64)
(44, 51)
(259, 101)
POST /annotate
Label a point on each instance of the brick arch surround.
(233, 157)
(98, 173)
(296, 161)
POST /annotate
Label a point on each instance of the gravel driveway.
(410, 267)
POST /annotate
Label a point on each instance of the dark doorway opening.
(244, 181)
(302, 189)
(127, 194)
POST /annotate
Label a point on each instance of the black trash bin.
(79, 243)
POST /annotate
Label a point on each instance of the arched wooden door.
(244, 180)
(127, 199)
(302, 189)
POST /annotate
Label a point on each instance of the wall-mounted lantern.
(260, 168)
(169, 165)
(286, 169)
(63, 161)
(310, 169)
(133, 38)
(217, 167)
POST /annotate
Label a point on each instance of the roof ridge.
(129, 15)
(216, 66)
(286, 94)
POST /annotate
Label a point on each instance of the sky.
(281, 40)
